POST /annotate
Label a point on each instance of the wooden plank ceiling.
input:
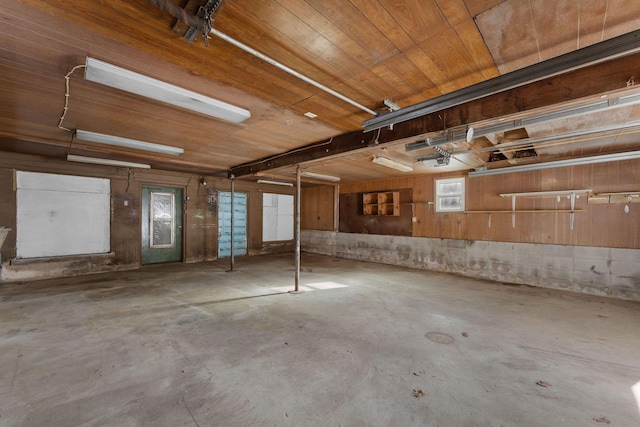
(368, 50)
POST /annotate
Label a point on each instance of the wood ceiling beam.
(496, 140)
(571, 86)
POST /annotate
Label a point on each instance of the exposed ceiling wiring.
(66, 97)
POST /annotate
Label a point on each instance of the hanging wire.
(73, 134)
(66, 98)
(374, 140)
(129, 173)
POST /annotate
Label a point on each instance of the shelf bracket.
(573, 207)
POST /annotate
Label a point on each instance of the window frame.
(439, 197)
(281, 217)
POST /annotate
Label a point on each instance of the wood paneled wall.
(317, 206)
(200, 217)
(604, 225)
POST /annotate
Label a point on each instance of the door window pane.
(162, 217)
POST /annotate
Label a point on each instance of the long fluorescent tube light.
(266, 181)
(110, 162)
(383, 161)
(101, 138)
(630, 155)
(320, 176)
(123, 79)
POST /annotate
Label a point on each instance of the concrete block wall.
(592, 270)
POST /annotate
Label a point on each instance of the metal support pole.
(297, 288)
(233, 234)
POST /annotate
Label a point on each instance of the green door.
(161, 224)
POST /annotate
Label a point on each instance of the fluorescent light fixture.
(320, 176)
(109, 162)
(383, 161)
(101, 138)
(123, 79)
(559, 164)
(266, 181)
(310, 115)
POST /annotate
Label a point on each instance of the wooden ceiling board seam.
(535, 32)
(46, 17)
(285, 47)
(410, 73)
(303, 128)
(349, 20)
(233, 76)
(557, 33)
(591, 22)
(477, 7)
(87, 42)
(328, 102)
(420, 19)
(282, 139)
(617, 20)
(423, 61)
(330, 31)
(401, 88)
(507, 31)
(384, 22)
(342, 118)
(370, 83)
(448, 52)
(425, 94)
(19, 39)
(471, 38)
(454, 11)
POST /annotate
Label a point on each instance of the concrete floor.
(370, 345)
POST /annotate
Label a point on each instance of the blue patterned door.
(239, 224)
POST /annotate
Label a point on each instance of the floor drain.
(439, 337)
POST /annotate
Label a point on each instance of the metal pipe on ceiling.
(604, 158)
(202, 24)
(291, 71)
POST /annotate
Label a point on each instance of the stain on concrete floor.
(189, 344)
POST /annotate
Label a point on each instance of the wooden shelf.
(383, 204)
(546, 193)
(529, 211)
(623, 197)
(571, 195)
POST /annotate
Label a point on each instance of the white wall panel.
(277, 217)
(61, 215)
